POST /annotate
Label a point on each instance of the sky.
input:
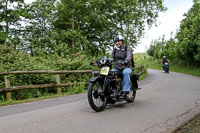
(28, 1)
(168, 22)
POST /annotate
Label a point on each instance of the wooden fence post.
(7, 85)
(59, 90)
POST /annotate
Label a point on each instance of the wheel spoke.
(97, 101)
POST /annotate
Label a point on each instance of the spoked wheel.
(96, 97)
(131, 96)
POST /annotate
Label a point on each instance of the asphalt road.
(164, 103)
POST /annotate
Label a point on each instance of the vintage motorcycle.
(106, 86)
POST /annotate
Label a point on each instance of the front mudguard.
(100, 79)
(94, 79)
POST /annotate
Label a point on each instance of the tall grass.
(152, 63)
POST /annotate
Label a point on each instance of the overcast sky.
(169, 21)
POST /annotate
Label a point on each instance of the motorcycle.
(106, 86)
(166, 67)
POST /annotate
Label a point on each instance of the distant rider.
(164, 60)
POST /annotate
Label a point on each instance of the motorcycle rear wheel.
(96, 98)
(131, 96)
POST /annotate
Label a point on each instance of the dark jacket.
(121, 56)
(164, 61)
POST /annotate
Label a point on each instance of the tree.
(11, 12)
(185, 47)
(96, 22)
(189, 35)
(75, 25)
(151, 49)
(38, 29)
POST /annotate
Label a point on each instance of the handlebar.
(109, 62)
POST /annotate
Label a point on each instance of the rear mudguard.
(135, 76)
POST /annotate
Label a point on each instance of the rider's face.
(118, 43)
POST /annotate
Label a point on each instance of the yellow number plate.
(104, 70)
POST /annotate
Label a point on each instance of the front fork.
(103, 80)
(104, 83)
(106, 89)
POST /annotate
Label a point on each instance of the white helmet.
(119, 38)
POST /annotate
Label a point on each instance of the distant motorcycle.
(106, 86)
(166, 67)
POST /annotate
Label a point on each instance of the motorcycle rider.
(122, 56)
(164, 60)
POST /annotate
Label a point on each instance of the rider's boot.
(138, 88)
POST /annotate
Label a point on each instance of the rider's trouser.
(126, 78)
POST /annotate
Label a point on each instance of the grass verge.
(192, 126)
(47, 96)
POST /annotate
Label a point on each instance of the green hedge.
(15, 60)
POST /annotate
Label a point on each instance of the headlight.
(103, 60)
(95, 72)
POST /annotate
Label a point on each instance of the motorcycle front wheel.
(166, 70)
(96, 97)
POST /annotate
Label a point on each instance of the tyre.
(166, 70)
(131, 96)
(96, 98)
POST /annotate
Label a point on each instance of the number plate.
(104, 70)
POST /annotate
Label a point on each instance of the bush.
(15, 60)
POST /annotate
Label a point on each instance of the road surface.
(164, 103)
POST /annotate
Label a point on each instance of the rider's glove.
(125, 62)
